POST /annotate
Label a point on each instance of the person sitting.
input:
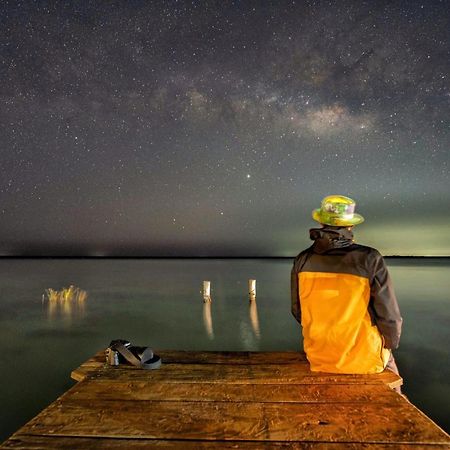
(343, 297)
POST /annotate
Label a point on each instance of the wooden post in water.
(252, 289)
(207, 291)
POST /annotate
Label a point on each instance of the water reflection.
(65, 303)
(250, 332)
(254, 320)
(207, 320)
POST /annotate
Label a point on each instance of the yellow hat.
(337, 211)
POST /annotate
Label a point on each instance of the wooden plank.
(196, 357)
(295, 373)
(90, 366)
(237, 421)
(228, 400)
(199, 357)
(293, 361)
(317, 393)
(24, 442)
(216, 357)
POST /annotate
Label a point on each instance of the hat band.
(339, 208)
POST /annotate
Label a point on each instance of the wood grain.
(227, 400)
(191, 357)
(24, 442)
(295, 373)
(243, 364)
(236, 421)
(265, 393)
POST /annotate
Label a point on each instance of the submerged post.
(207, 291)
(253, 310)
(207, 319)
(252, 289)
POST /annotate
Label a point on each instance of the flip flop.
(142, 357)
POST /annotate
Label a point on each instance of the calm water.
(158, 303)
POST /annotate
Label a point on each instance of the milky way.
(214, 128)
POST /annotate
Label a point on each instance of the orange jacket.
(343, 297)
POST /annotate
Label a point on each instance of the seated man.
(343, 297)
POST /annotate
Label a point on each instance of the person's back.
(343, 297)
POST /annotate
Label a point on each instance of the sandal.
(121, 351)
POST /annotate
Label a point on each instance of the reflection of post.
(207, 291)
(81, 302)
(67, 309)
(207, 319)
(252, 289)
(254, 319)
(52, 307)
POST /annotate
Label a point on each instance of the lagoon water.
(158, 302)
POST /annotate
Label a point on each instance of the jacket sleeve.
(295, 301)
(386, 312)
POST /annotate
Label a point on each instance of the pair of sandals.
(120, 351)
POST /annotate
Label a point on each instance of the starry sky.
(213, 128)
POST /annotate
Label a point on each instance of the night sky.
(208, 128)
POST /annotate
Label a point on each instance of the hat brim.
(336, 221)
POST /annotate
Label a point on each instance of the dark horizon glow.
(179, 128)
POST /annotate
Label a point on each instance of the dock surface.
(248, 400)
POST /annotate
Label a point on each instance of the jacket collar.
(328, 238)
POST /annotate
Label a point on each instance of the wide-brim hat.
(337, 211)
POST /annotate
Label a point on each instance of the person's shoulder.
(365, 249)
(303, 253)
(302, 256)
(371, 255)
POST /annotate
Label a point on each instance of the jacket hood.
(329, 238)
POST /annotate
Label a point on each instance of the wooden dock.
(227, 400)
